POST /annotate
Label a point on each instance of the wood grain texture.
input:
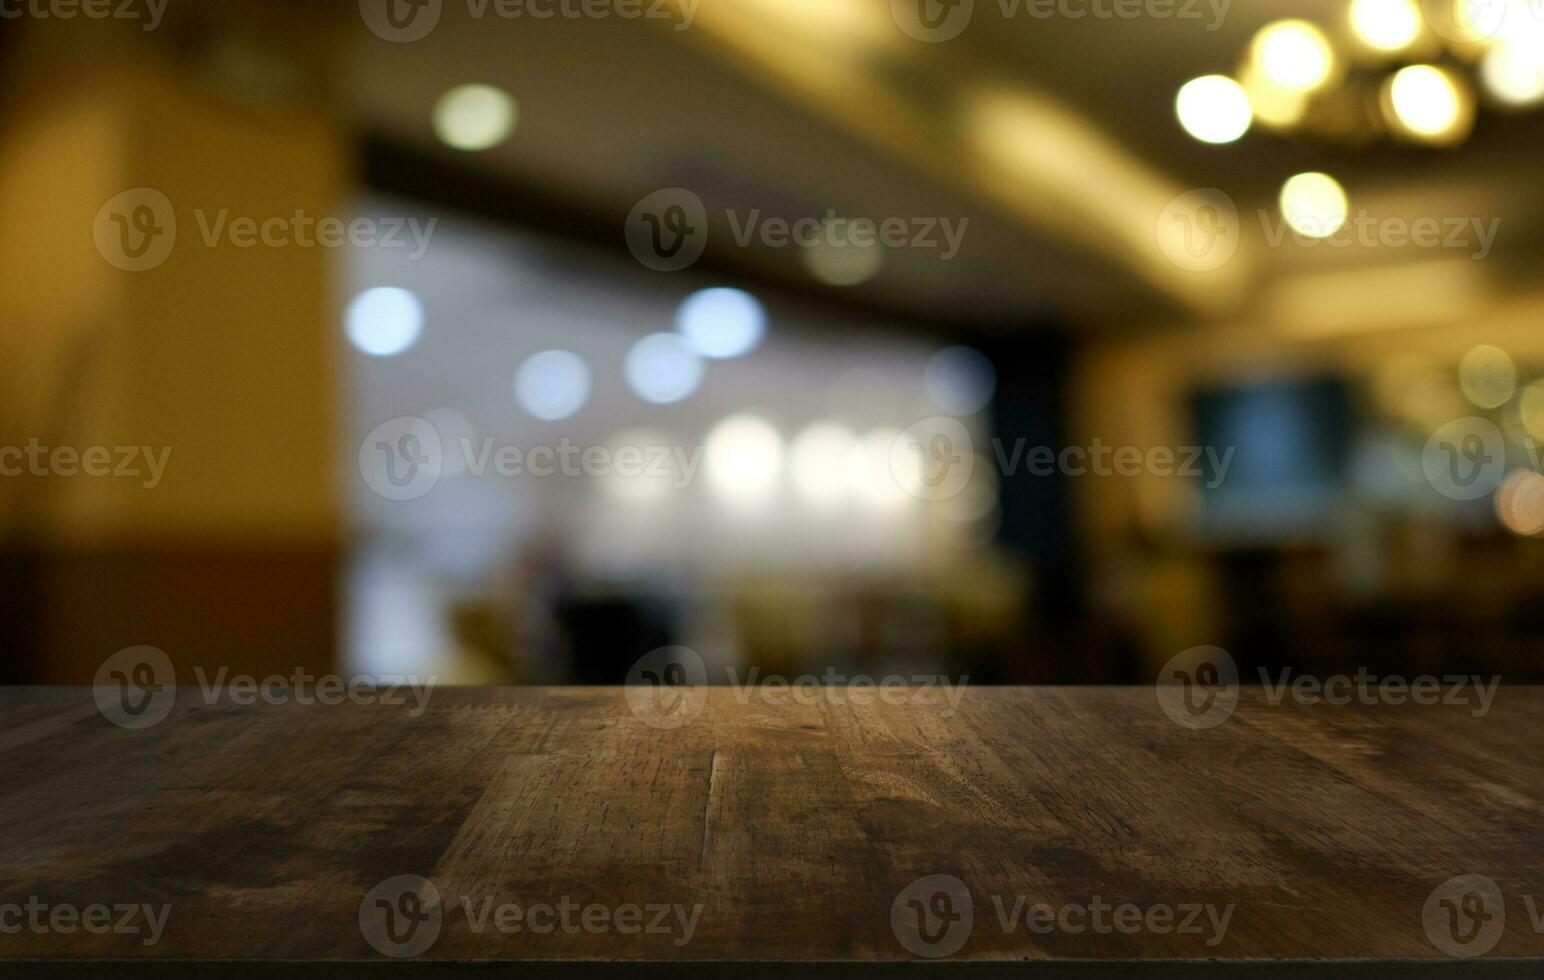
(794, 827)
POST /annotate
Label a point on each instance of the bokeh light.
(1520, 502)
(1269, 103)
(552, 384)
(818, 461)
(1213, 109)
(1294, 55)
(842, 262)
(1487, 376)
(662, 368)
(1314, 204)
(721, 322)
(475, 117)
(1530, 409)
(384, 321)
(1430, 104)
(1386, 25)
(743, 459)
(869, 470)
(634, 477)
(1514, 74)
(960, 380)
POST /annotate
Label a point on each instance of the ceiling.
(1055, 137)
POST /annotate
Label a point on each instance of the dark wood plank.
(774, 831)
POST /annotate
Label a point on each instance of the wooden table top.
(1072, 827)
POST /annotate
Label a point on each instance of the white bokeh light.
(475, 117)
(960, 380)
(870, 472)
(743, 459)
(721, 322)
(662, 368)
(819, 460)
(635, 476)
(384, 321)
(552, 384)
(1214, 109)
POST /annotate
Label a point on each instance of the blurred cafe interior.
(1288, 243)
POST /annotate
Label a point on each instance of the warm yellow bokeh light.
(1213, 109)
(1431, 104)
(1386, 25)
(1314, 204)
(1530, 409)
(1514, 74)
(1272, 105)
(1487, 376)
(1294, 55)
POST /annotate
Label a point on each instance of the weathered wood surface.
(794, 827)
